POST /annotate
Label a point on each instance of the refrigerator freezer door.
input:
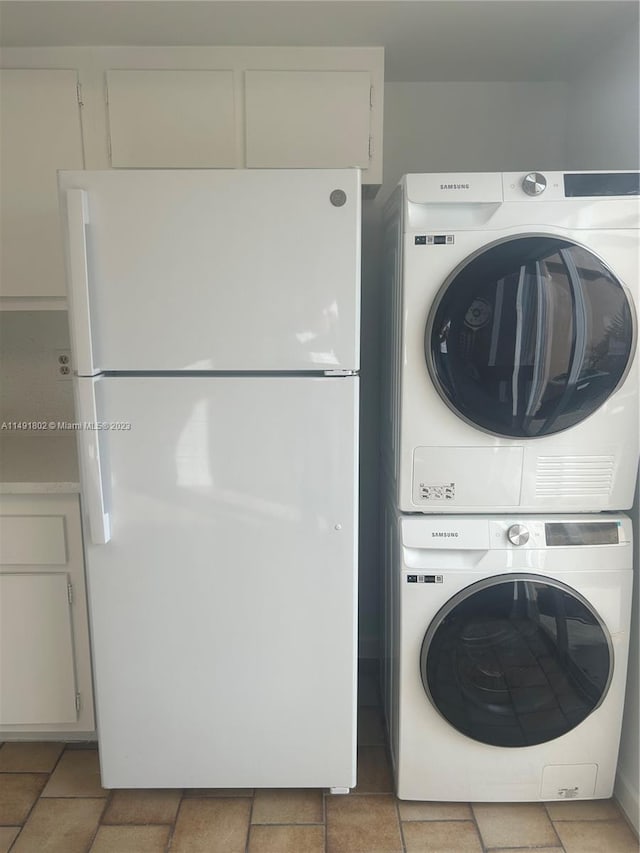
(223, 609)
(218, 270)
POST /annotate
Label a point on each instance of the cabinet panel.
(307, 118)
(45, 666)
(171, 118)
(40, 132)
(32, 540)
(36, 650)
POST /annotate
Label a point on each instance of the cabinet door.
(37, 670)
(45, 666)
(310, 119)
(40, 132)
(32, 540)
(171, 118)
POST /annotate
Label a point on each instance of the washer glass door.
(529, 337)
(516, 660)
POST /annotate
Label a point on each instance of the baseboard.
(88, 738)
(628, 799)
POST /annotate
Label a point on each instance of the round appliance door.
(529, 336)
(516, 660)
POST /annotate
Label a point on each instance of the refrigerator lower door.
(223, 607)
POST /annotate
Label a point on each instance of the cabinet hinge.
(70, 593)
(79, 93)
(78, 702)
(371, 97)
(370, 147)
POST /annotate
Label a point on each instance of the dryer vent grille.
(560, 476)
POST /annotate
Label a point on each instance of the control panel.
(566, 533)
(533, 186)
(553, 186)
(476, 533)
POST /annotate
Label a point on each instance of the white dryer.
(512, 380)
(506, 654)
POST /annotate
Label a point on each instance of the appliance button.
(518, 534)
(534, 183)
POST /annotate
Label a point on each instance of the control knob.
(518, 534)
(534, 183)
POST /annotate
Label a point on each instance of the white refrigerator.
(214, 321)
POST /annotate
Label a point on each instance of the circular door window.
(529, 337)
(516, 660)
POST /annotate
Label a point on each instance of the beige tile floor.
(51, 801)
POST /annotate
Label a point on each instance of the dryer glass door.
(516, 660)
(529, 337)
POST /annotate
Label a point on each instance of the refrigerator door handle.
(91, 461)
(78, 290)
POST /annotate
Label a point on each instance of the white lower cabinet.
(45, 669)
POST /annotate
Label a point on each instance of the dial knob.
(534, 183)
(518, 534)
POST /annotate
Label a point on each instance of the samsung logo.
(439, 535)
(455, 186)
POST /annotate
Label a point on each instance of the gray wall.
(603, 124)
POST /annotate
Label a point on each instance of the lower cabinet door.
(37, 672)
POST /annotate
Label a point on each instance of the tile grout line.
(107, 800)
(172, 825)
(477, 826)
(249, 824)
(400, 826)
(175, 821)
(552, 822)
(280, 822)
(324, 819)
(39, 797)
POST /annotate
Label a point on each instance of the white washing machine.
(512, 380)
(506, 642)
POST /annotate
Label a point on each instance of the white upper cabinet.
(309, 119)
(40, 132)
(255, 107)
(171, 118)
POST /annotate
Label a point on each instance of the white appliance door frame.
(224, 606)
(213, 270)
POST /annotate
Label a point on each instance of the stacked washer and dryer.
(510, 443)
